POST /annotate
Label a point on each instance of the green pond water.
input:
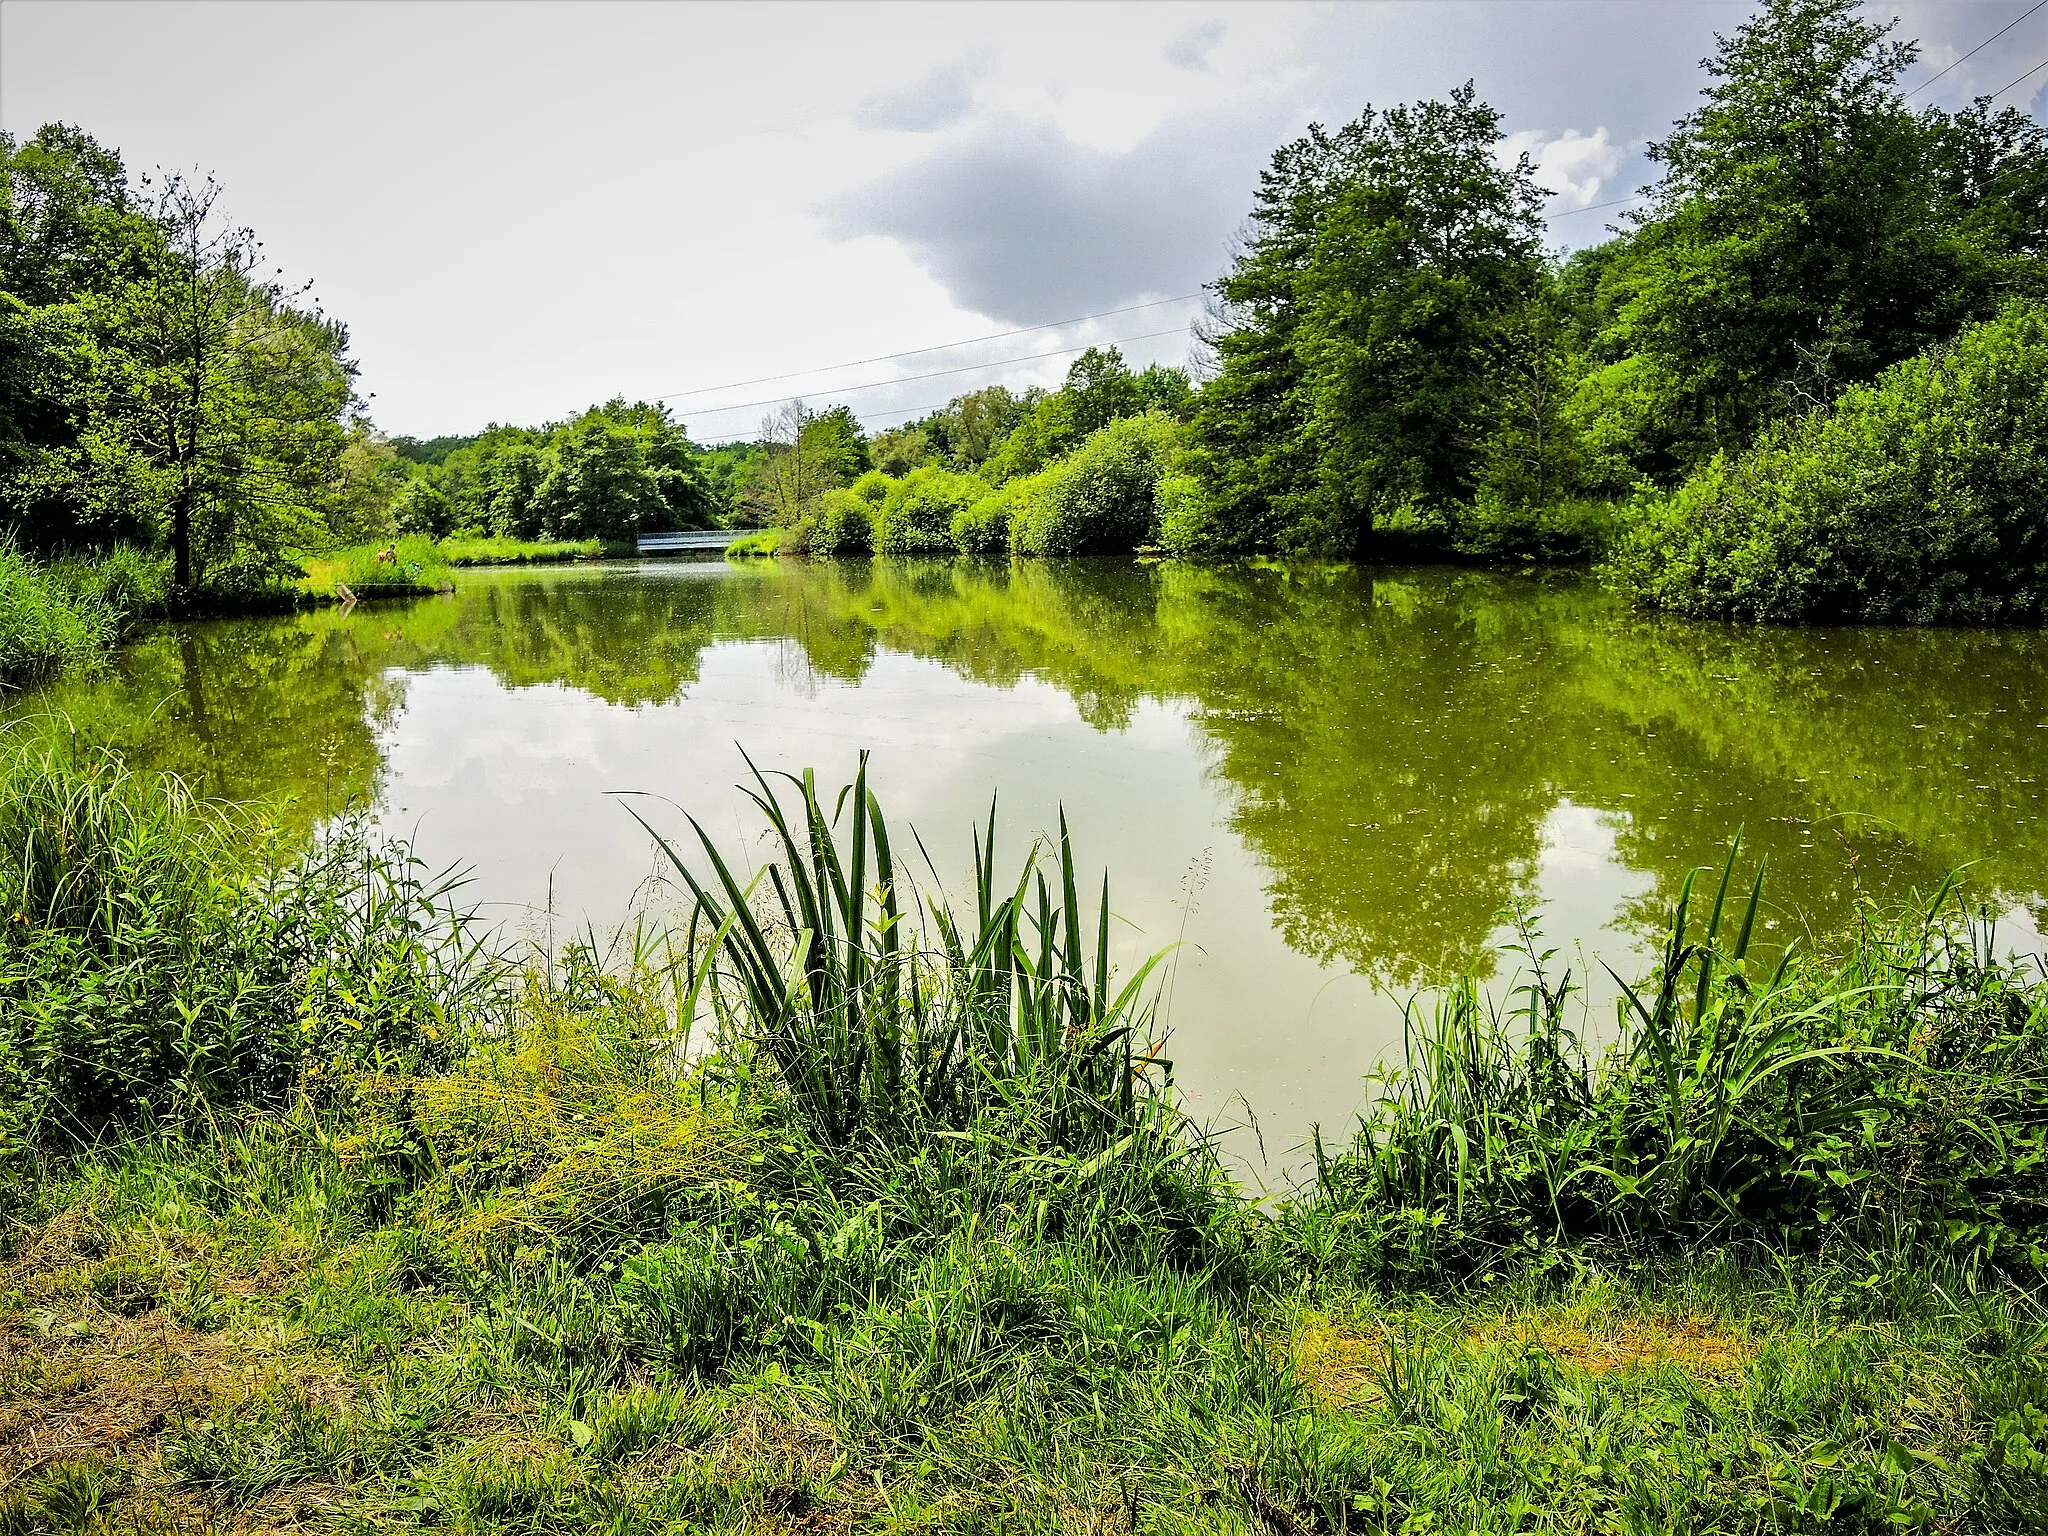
(1326, 785)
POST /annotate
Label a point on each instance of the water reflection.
(1321, 779)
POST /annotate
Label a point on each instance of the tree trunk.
(181, 540)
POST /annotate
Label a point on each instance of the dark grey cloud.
(1018, 221)
(1021, 223)
(941, 99)
(1190, 50)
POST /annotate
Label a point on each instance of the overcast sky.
(523, 208)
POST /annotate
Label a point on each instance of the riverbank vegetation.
(1396, 367)
(164, 402)
(864, 1208)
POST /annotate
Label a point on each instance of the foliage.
(1100, 499)
(165, 957)
(1366, 314)
(418, 507)
(181, 395)
(841, 522)
(1100, 389)
(1811, 229)
(608, 473)
(1187, 518)
(983, 528)
(1495, 528)
(1396, 364)
(916, 516)
(805, 453)
(1895, 1098)
(1917, 499)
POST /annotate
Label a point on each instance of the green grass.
(845, 1207)
(411, 566)
(762, 542)
(69, 613)
(460, 550)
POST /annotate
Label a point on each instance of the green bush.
(1187, 518)
(916, 516)
(873, 487)
(1493, 528)
(842, 523)
(1921, 498)
(1101, 499)
(984, 527)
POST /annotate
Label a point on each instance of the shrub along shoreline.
(846, 1207)
(60, 614)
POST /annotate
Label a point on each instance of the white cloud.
(1574, 168)
(529, 207)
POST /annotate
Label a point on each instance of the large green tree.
(157, 385)
(1364, 326)
(1810, 229)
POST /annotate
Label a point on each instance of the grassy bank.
(839, 1210)
(460, 551)
(413, 566)
(69, 613)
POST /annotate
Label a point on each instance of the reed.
(883, 1005)
(1893, 1096)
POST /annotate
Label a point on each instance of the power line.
(712, 389)
(1994, 37)
(2022, 79)
(1616, 202)
(939, 373)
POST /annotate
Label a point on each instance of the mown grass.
(846, 1208)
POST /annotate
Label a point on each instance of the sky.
(521, 209)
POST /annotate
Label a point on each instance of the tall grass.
(881, 1005)
(72, 611)
(1894, 1096)
(406, 567)
(163, 957)
(494, 549)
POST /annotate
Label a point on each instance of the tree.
(419, 507)
(67, 227)
(370, 480)
(221, 405)
(807, 453)
(1809, 230)
(1364, 325)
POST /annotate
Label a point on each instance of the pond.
(1328, 787)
